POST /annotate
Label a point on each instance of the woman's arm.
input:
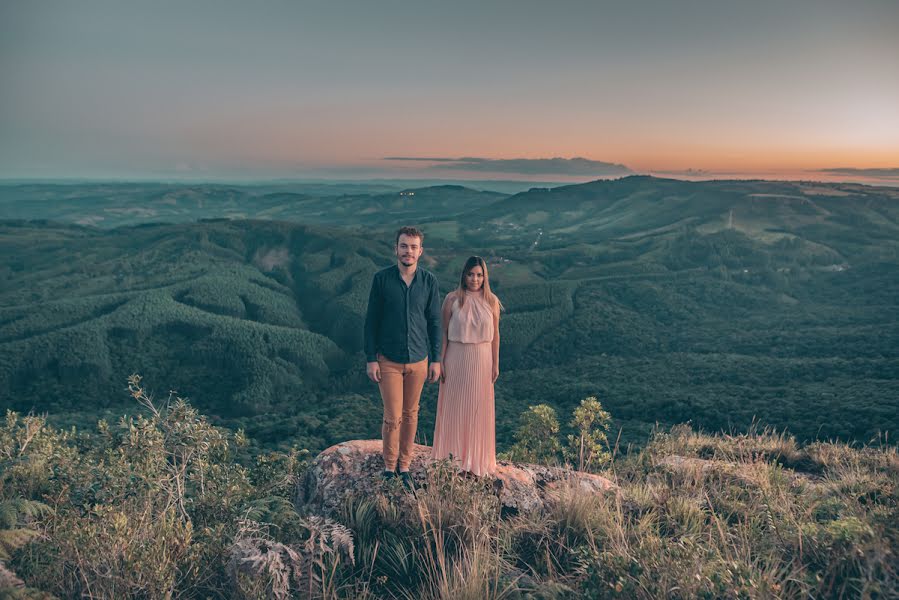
(446, 313)
(494, 345)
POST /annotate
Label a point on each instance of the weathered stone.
(355, 467)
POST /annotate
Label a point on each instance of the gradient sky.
(331, 88)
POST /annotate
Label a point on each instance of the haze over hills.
(105, 204)
(715, 302)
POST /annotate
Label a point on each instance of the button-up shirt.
(403, 321)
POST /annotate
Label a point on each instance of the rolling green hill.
(718, 303)
(348, 205)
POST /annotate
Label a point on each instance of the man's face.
(408, 249)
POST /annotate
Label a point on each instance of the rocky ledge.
(354, 468)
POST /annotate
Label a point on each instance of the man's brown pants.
(400, 390)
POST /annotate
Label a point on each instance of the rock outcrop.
(355, 467)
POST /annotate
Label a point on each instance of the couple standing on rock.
(406, 328)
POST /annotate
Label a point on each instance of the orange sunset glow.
(743, 91)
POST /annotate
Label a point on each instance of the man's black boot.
(407, 481)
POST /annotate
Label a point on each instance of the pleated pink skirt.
(466, 423)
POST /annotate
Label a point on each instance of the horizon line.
(862, 177)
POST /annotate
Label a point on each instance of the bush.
(535, 439)
(588, 450)
(150, 507)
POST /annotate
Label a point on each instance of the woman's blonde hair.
(492, 301)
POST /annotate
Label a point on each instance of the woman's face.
(474, 279)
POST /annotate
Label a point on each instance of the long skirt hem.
(466, 423)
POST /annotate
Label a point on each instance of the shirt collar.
(415, 277)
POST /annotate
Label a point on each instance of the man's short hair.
(411, 232)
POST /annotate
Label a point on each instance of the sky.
(499, 89)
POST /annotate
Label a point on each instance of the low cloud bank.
(522, 166)
(884, 173)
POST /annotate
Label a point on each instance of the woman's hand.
(495, 372)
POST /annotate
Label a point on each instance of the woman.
(466, 426)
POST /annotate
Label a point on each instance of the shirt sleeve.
(372, 316)
(435, 331)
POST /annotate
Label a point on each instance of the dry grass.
(751, 515)
(697, 516)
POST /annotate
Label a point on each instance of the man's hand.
(434, 372)
(373, 370)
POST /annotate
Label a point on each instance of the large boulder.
(354, 468)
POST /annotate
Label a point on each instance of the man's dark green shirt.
(403, 322)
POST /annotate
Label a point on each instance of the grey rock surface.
(354, 468)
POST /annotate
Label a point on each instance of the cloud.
(425, 159)
(687, 172)
(885, 173)
(522, 166)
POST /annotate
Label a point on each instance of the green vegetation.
(141, 508)
(588, 448)
(536, 440)
(108, 205)
(718, 303)
(163, 504)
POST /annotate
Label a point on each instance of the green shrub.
(536, 439)
(588, 449)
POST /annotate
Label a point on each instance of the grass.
(697, 516)
(158, 505)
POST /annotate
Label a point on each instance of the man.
(402, 331)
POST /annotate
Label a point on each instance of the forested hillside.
(718, 303)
